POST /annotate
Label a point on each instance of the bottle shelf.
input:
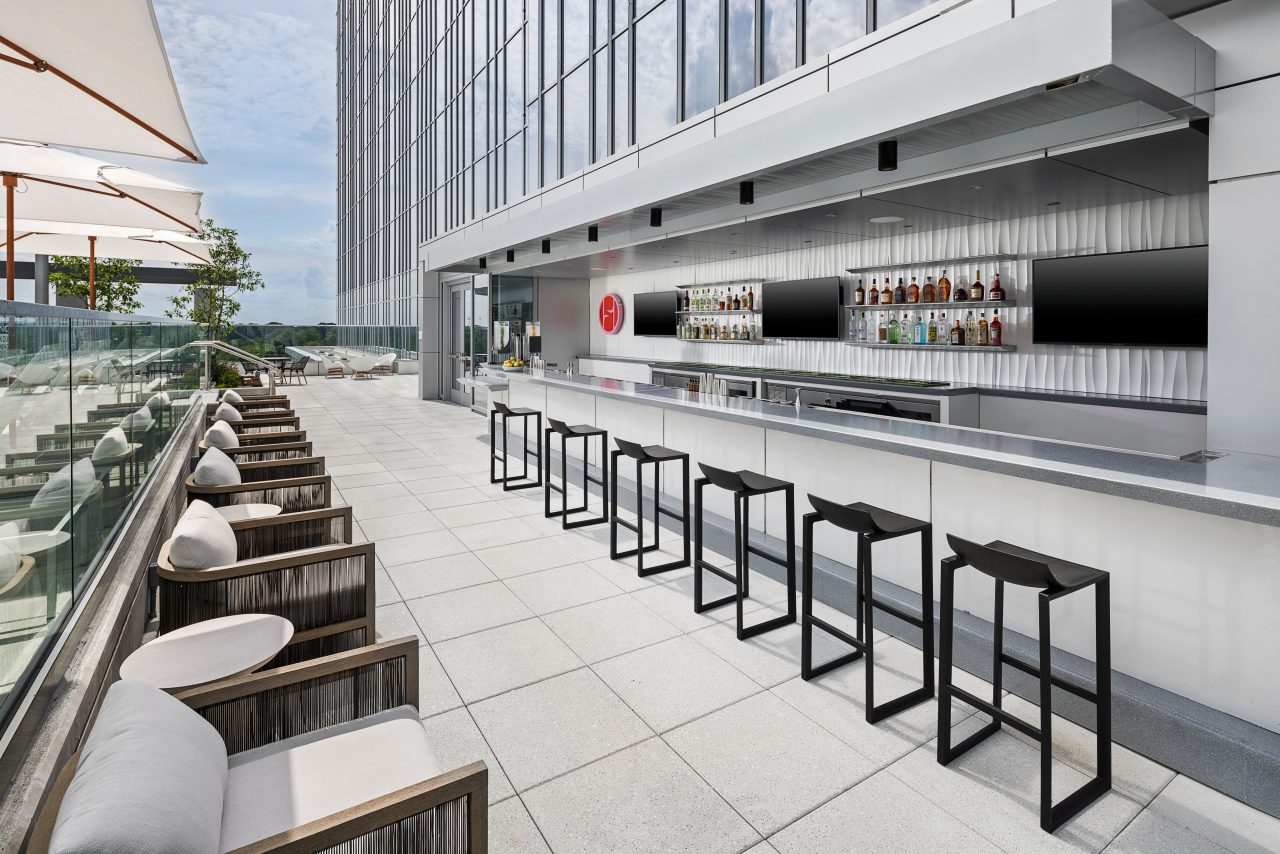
(942, 262)
(718, 341)
(737, 283)
(934, 306)
(726, 311)
(941, 348)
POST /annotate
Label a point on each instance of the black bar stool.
(872, 525)
(1054, 578)
(646, 455)
(744, 485)
(508, 481)
(585, 432)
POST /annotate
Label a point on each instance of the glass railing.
(68, 379)
(281, 340)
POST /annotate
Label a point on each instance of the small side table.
(242, 512)
(209, 650)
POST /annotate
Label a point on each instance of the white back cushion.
(220, 435)
(112, 444)
(216, 469)
(151, 780)
(158, 401)
(232, 396)
(9, 560)
(140, 419)
(227, 412)
(70, 481)
(201, 539)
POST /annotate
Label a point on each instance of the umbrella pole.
(93, 263)
(10, 184)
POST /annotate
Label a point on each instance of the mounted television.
(802, 308)
(654, 313)
(1152, 298)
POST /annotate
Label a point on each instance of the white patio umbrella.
(46, 183)
(41, 237)
(90, 74)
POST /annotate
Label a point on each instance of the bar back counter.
(1193, 548)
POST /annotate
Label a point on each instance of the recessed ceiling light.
(733, 234)
(908, 225)
(1051, 204)
(975, 186)
(880, 220)
(808, 241)
(733, 251)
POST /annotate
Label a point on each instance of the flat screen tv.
(802, 308)
(1153, 298)
(654, 313)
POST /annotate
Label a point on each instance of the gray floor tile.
(512, 831)
(490, 662)
(348, 481)
(562, 587)
(1152, 833)
(521, 558)
(414, 547)
(771, 763)
(879, 814)
(554, 726)
(501, 532)
(456, 741)
(439, 574)
(1229, 823)
(422, 472)
(622, 573)
(440, 482)
(353, 467)
(436, 693)
(641, 799)
(417, 521)
(472, 514)
(452, 498)
(384, 591)
(467, 610)
(394, 621)
(357, 494)
(609, 627)
(673, 682)
(376, 509)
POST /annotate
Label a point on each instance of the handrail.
(231, 350)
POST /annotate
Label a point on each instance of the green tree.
(115, 285)
(211, 300)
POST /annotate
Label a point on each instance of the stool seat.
(585, 432)
(520, 410)
(864, 518)
(1069, 576)
(759, 484)
(661, 454)
(1016, 565)
(654, 455)
(742, 482)
(576, 430)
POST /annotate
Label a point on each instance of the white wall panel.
(1246, 130)
(1244, 33)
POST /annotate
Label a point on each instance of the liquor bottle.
(957, 334)
(944, 331)
(737, 303)
(944, 288)
(882, 331)
(862, 328)
(900, 293)
(893, 329)
(886, 295)
(873, 296)
(860, 295)
(984, 332)
(913, 292)
(931, 334)
(970, 330)
(922, 334)
(997, 330)
(976, 290)
(684, 301)
(960, 293)
(724, 330)
(751, 298)
(995, 293)
(720, 300)
(929, 293)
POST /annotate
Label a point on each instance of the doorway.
(468, 328)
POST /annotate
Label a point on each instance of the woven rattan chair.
(292, 484)
(274, 711)
(264, 452)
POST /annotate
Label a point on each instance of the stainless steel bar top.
(1236, 486)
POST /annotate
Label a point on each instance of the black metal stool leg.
(700, 565)
(1046, 715)
(613, 510)
(807, 669)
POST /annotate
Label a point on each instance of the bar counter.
(1193, 548)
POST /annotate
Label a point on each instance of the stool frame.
(658, 512)
(863, 642)
(508, 481)
(742, 551)
(1052, 816)
(549, 486)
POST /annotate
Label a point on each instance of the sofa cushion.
(10, 561)
(232, 396)
(150, 780)
(140, 419)
(201, 539)
(158, 401)
(220, 435)
(297, 780)
(216, 469)
(72, 481)
(112, 444)
(227, 412)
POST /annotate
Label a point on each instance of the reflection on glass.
(468, 140)
(533, 68)
(515, 167)
(577, 114)
(532, 165)
(482, 33)
(481, 132)
(779, 37)
(742, 46)
(602, 22)
(550, 35)
(601, 136)
(621, 15)
(515, 16)
(643, 6)
(656, 71)
(831, 23)
(621, 88)
(514, 106)
(888, 11)
(702, 55)
(577, 32)
(550, 136)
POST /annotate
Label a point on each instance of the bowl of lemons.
(514, 365)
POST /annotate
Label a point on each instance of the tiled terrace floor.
(614, 719)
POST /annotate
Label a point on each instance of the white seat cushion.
(9, 559)
(68, 482)
(287, 784)
(232, 396)
(216, 469)
(201, 539)
(227, 412)
(220, 435)
(140, 419)
(158, 401)
(112, 444)
(151, 780)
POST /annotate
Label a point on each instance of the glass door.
(460, 324)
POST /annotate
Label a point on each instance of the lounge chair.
(294, 484)
(333, 368)
(221, 436)
(386, 364)
(362, 366)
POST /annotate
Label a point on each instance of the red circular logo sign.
(610, 314)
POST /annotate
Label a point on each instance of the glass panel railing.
(68, 379)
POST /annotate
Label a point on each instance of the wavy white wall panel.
(1155, 224)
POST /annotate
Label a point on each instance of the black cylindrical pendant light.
(655, 217)
(593, 234)
(484, 263)
(546, 247)
(746, 192)
(511, 256)
(888, 159)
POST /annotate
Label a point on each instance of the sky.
(257, 79)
